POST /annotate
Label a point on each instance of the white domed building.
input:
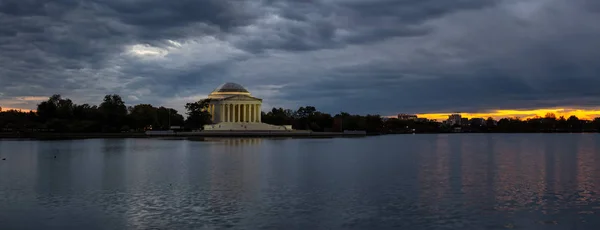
(233, 108)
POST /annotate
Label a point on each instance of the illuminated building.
(233, 108)
(407, 117)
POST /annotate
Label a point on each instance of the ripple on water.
(391, 182)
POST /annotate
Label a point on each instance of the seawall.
(307, 134)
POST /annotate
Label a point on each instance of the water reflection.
(434, 172)
(532, 181)
(229, 141)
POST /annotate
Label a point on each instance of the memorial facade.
(233, 108)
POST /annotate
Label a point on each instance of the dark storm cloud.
(166, 14)
(53, 44)
(448, 94)
(93, 29)
(385, 56)
(310, 25)
(41, 41)
(491, 60)
(399, 18)
(392, 91)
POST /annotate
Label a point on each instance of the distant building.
(477, 121)
(491, 122)
(464, 121)
(407, 117)
(454, 119)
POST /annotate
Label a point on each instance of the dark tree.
(490, 122)
(198, 116)
(574, 124)
(113, 112)
(321, 122)
(56, 113)
(169, 117)
(305, 112)
(278, 116)
(143, 116)
(48, 109)
(595, 124)
(550, 116)
(304, 118)
(561, 124)
(373, 124)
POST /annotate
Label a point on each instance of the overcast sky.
(358, 56)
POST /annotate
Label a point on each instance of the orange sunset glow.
(584, 114)
(4, 109)
(20, 103)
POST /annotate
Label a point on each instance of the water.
(462, 181)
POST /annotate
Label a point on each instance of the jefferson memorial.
(233, 108)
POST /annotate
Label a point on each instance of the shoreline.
(232, 134)
(227, 134)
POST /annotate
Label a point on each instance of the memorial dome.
(230, 88)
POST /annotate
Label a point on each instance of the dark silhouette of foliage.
(278, 116)
(309, 118)
(58, 114)
(197, 114)
(113, 112)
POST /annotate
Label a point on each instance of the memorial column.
(212, 112)
(248, 113)
(256, 113)
(251, 113)
(224, 112)
(243, 106)
(228, 117)
(220, 113)
(259, 114)
(238, 113)
(253, 116)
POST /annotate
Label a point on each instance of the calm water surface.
(498, 181)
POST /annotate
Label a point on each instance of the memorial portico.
(235, 111)
(232, 108)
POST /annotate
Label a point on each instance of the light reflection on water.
(496, 181)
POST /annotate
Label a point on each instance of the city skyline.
(522, 114)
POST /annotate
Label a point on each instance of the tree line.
(308, 118)
(548, 123)
(58, 114)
